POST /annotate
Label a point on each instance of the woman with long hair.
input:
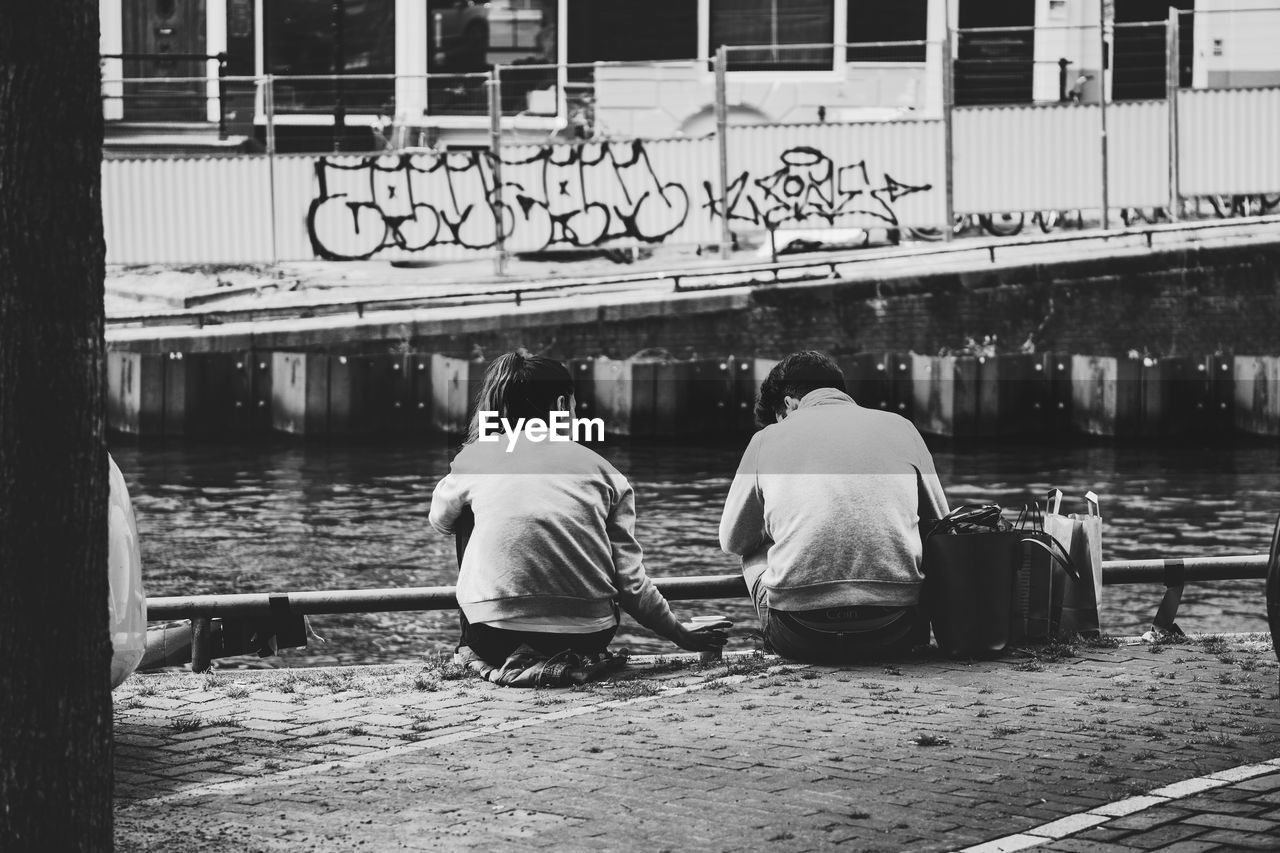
(553, 554)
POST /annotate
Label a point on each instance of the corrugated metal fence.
(864, 175)
(1227, 141)
(445, 205)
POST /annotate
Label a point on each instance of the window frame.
(884, 63)
(839, 21)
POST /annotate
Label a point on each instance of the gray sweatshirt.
(833, 494)
(554, 535)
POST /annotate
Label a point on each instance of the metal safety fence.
(844, 144)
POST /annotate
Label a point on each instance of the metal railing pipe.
(1192, 569)
(314, 602)
(308, 603)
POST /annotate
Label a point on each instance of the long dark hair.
(520, 386)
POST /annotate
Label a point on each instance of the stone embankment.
(1127, 336)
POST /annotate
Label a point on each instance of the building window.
(303, 37)
(632, 30)
(466, 39)
(873, 22)
(787, 32)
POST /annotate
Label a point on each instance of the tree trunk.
(55, 652)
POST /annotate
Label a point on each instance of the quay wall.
(1126, 344)
(1195, 300)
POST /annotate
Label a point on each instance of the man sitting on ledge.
(825, 510)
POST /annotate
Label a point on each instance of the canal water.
(214, 518)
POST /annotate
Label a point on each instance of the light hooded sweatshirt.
(554, 535)
(833, 495)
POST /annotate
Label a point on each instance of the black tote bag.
(971, 562)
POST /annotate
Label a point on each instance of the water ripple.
(294, 517)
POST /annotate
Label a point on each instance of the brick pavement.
(928, 754)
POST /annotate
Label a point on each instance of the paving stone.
(1234, 822)
(1006, 844)
(1239, 840)
(708, 769)
(1068, 825)
(195, 745)
(1151, 818)
(1189, 786)
(1248, 771)
(282, 725)
(1269, 782)
(1190, 845)
(1129, 805)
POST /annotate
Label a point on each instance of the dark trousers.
(495, 645)
(884, 632)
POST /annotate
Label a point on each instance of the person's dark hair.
(520, 386)
(795, 376)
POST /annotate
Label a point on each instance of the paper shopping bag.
(1082, 534)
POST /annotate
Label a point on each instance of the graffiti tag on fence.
(566, 195)
(571, 195)
(809, 187)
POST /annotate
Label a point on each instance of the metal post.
(495, 151)
(339, 9)
(948, 104)
(1063, 62)
(269, 106)
(222, 95)
(722, 145)
(201, 643)
(1102, 106)
(1173, 80)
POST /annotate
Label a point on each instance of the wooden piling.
(1257, 394)
(945, 394)
(868, 378)
(253, 390)
(902, 389)
(746, 386)
(673, 401)
(1012, 395)
(421, 393)
(203, 394)
(180, 390)
(611, 381)
(1169, 397)
(135, 393)
(370, 394)
(454, 383)
(711, 405)
(300, 393)
(347, 406)
(1057, 417)
(148, 393)
(584, 386)
(643, 390)
(1219, 395)
(1106, 395)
